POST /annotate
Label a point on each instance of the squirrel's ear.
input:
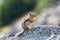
(31, 14)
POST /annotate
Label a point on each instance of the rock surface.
(42, 32)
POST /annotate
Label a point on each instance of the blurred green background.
(13, 9)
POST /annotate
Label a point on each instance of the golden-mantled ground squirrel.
(26, 22)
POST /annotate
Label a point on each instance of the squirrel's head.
(31, 16)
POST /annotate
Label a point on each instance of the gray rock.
(42, 32)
